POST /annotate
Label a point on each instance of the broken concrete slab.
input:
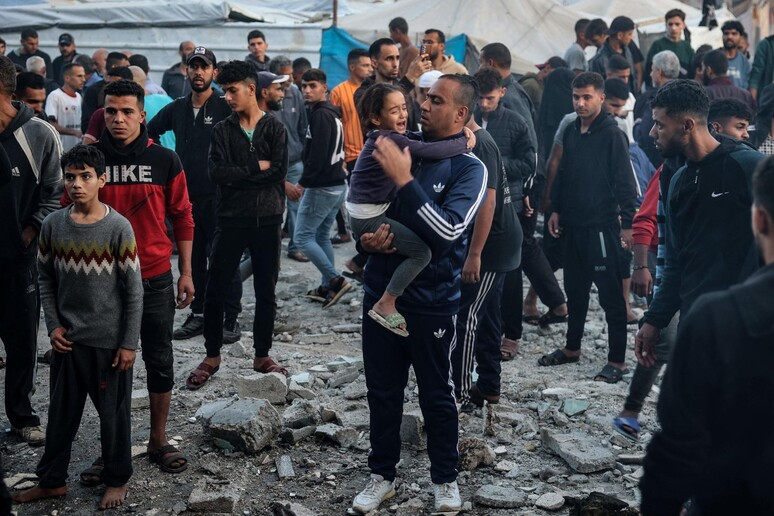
(301, 378)
(271, 386)
(505, 466)
(500, 497)
(573, 407)
(356, 390)
(344, 376)
(474, 452)
(246, 424)
(347, 328)
(291, 509)
(140, 399)
(212, 498)
(550, 502)
(412, 429)
(301, 413)
(358, 418)
(344, 437)
(297, 391)
(581, 452)
(237, 349)
(558, 392)
(284, 467)
(631, 458)
(291, 436)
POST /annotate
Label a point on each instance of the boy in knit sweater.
(91, 292)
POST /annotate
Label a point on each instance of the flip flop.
(92, 476)
(270, 366)
(508, 349)
(318, 294)
(530, 319)
(620, 424)
(392, 322)
(357, 276)
(610, 374)
(166, 456)
(200, 376)
(550, 318)
(557, 358)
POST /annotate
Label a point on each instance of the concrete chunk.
(247, 424)
(140, 399)
(291, 436)
(272, 387)
(210, 498)
(301, 413)
(581, 452)
(344, 437)
(284, 467)
(500, 497)
(343, 376)
(550, 502)
(412, 429)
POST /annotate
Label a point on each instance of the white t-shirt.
(67, 112)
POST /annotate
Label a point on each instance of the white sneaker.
(377, 491)
(447, 497)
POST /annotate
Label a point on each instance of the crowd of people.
(645, 169)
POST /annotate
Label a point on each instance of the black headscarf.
(557, 102)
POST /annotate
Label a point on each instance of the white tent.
(643, 12)
(534, 30)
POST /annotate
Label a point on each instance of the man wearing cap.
(619, 35)
(533, 82)
(68, 54)
(248, 163)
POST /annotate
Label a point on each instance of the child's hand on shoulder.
(471, 137)
(59, 342)
(124, 359)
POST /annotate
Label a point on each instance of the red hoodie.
(644, 225)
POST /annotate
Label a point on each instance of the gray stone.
(505, 466)
(237, 349)
(301, 378)
(473, 453)
(344, 437)
(284, 467)
(358, 419)
(514, 473)
(291, 436)
(271, 386)
(347, 328)
(582, 453)
(550, 502)
(319, 338)
(573, 407)
(140, 399)
(301, 413)
(285, 508)
(318, 369)
(558, 392)
(211, 463)
(212, 498)
(412, 429)
(297, 391)
(246, 424)
(328, 415)
(631, 458)
(356, 390)
(343, 376)
(500, 497)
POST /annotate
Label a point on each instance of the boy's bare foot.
(113, 497)
(38, 493)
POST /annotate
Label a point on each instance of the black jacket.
(192, 137)
(92, 101)
(245, 195)
(595, 183)
(510, 132)
(324, 147)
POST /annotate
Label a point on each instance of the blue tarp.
(336, 44)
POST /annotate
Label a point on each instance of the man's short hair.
(29, 80)
(35, 64)
(113, 58)
(441, 35)
(236, 71)
(82, 156)
(616, 89)
(255, 34)
(122, 72)
(617, 63)
(7, 76)
(593, 79)
(682, 96)
(375, 50)
(488, 79)
(399, 24)
(733, 25)
(278, 63)
(126, 88)
(717, 60)
(141, 61)
(763, 186)
(596, 27)
(668, 62)
(29, 33)
(301, 62)
(467, 91)
(580, 25)
(2, 41)
(67, 68)
(674, 13)
(355, 55)
(315, 74)
(498, 54)
(86, 62)
(721, 110)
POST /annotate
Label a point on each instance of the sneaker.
(231, 331)
(32, 435)
(341, 238)
(447, 497)
(193, 326)
(338, 287)
(377, 491)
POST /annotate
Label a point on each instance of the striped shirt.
(343, 96)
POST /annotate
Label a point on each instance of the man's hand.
(471, 271)
(59, 342)
(471, 137)
(642, 282)
(645, 345)
(528, 209)
(28, 235)
(417, 67)
(264, 164)
(626, 238)
(378, 242)
(293, 192)
(553, 226)
(185, 291)
(124, 359)
(395, 163)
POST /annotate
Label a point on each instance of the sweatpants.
(265, 244)
(87, 371)
(478, 330)
(406, 243)
(387, 358)
(19, 317)
(158, 317)
(593, 257)
(540, 274)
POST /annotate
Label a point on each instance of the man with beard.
(30, 46)
(717, 83)
(31, 90)
(175, 79)
(68, 54)
(672, 41)
(435, 44)
(738, 65)
(192, 119)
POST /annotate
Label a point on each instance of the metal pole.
(335, 13)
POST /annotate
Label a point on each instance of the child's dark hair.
(372, 102)
(82, 156)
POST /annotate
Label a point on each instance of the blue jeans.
(316, 214)
(294, 174)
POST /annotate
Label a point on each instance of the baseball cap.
(553, 62)
(65, 39)
(266, 79)
(427, 79)
(620, 24)
(204, 54)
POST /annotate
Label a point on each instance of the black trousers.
(387, 358)
(19, 317)
(204, 233)
(478, 335)
(595, 259)
(264, 244)
(83, 372)
(158, 317)
(541, 276)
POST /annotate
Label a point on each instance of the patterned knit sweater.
(90, 280)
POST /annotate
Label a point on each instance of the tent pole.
(335, 13)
